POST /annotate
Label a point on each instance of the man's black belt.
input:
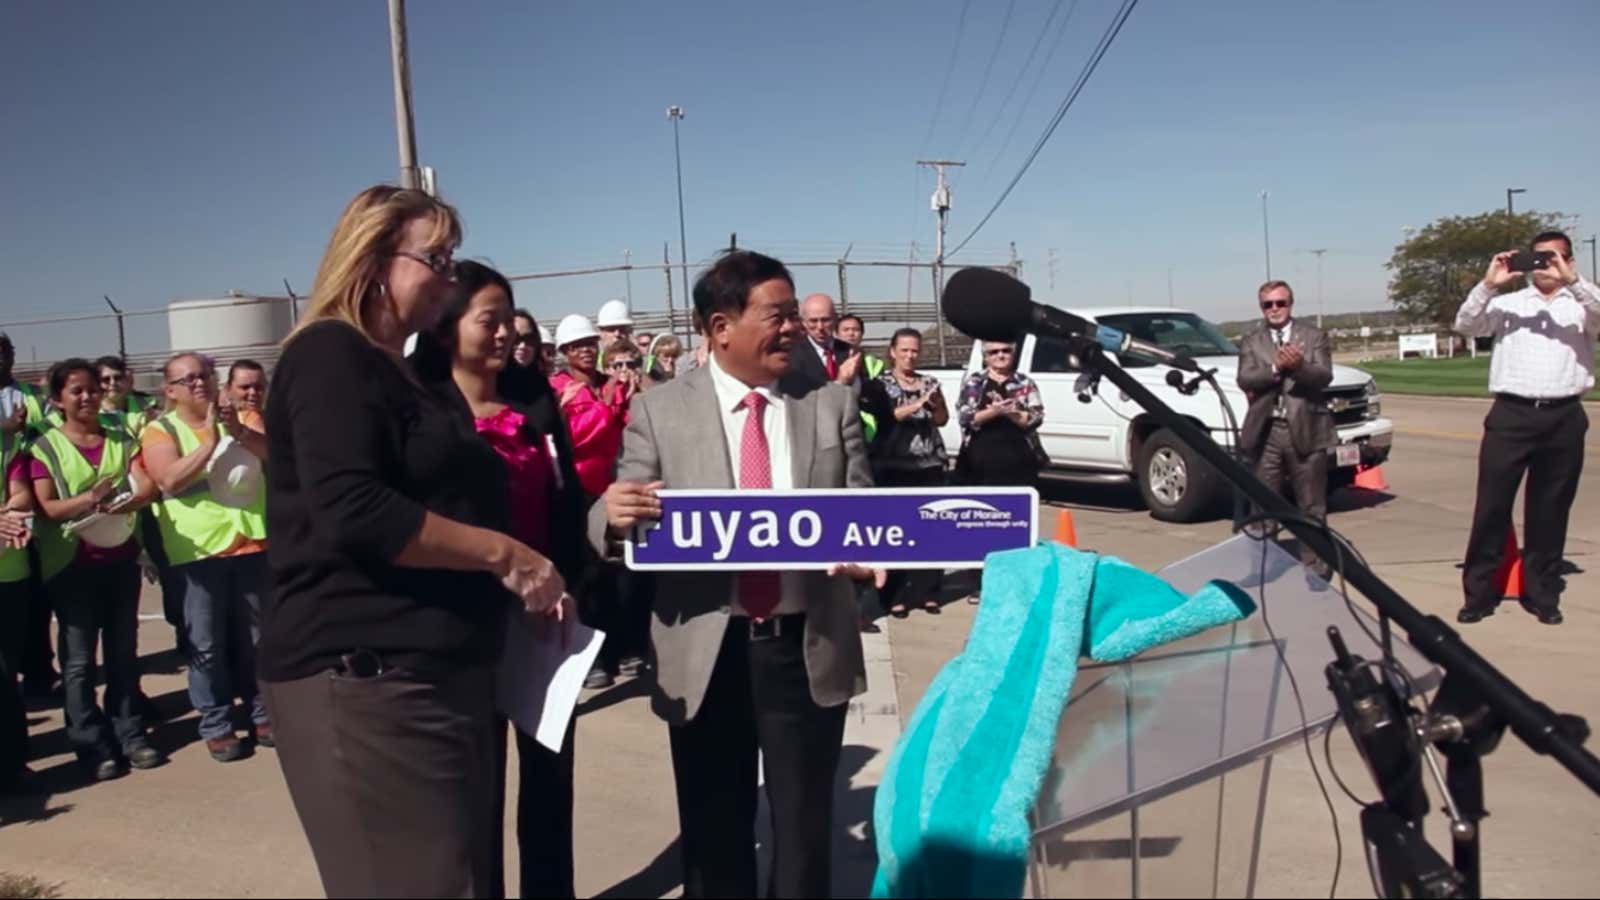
(1538, 402)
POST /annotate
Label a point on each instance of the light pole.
(1266, 235)
(1319, 253)
(401, 65)
(1510, 211)
(1594, 273)
(675, 113)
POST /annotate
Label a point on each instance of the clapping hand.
(14, 422)
(15, 529)
(1289, 357)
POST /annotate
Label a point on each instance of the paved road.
(197, 828)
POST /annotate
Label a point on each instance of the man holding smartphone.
(1543, 362)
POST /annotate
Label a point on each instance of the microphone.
(993, 306)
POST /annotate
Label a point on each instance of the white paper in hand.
(539, 678)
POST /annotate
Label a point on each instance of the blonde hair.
(364, 236)
(665, 344)
(1272, 286)
(167, 404)
(620, 347)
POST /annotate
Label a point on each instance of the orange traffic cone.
(1370, 478)
(1065, 532)
(1509, 577)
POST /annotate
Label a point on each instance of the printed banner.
(895, 528)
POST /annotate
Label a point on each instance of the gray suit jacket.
(1310, 422)
(675, 436)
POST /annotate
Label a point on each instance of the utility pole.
(404, 132)
(941, 205)
(627, 274)
(122, 335)
(911, 268)
(1266, 235)
(1594, 273)
(1319, 251)
(675, 113)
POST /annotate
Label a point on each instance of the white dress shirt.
(775, 423)
(1544, 347)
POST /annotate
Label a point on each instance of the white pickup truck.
(1107, 438)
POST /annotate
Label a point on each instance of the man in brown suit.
(1284, 368)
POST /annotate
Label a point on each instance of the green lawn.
(1459, 377)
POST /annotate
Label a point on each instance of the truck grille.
(1348, 405)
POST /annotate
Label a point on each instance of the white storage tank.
(228, 326)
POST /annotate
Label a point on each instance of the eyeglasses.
(999, 351)
(441, 265)
(1276, 304)
(625, 364)
(528, 340)
(192, 380)
(111, 379)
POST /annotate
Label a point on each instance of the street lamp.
(1266, 238)
(1509, 191)
(675, 113)
(1594, 273)
(1319, 253)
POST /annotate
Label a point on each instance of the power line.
(1038, 79)
(983, 83)
(944, 89)
(999, 111)
(1077, 88)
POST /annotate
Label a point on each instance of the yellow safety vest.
(194, 526)
(72, 476)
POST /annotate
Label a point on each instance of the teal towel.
(951, 815)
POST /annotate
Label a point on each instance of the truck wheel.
(1177, 485)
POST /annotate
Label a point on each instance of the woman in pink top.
(596, 409)
(468, 354)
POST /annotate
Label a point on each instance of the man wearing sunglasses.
(1543, 363)
(1283, 368)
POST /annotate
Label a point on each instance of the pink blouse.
(530, 475)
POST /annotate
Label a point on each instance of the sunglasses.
(1276, 304)
(999, 351)
(625, 364)
(528, 340)
(111, 379)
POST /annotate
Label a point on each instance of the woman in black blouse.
(391, 572)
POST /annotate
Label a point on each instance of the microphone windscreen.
(988, 305)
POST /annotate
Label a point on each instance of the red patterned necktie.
(759, 592)
(830, 363)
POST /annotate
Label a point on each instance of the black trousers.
(13, 717)
(392, 777)
(906, 587)
(759, 698)
(1307, 475)
(544, 814)
(1547, 444)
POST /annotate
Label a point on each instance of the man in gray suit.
(1284, 368)
(748, 660)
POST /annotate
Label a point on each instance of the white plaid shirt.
(1543, 347)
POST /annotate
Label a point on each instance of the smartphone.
(1528, 260)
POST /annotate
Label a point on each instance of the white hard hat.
(544, 336)
(614, 314)
(234, 474)
(574, 328)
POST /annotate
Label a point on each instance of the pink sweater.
(596, 425)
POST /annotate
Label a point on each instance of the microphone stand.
(1474, 704)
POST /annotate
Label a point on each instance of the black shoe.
(599, 678)
(108, 769)
(144, 756)
(225, 749)
(1470, 614)
(630, 667)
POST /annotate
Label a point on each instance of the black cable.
(950, 68)
(1305, 726)
(999, 111)
(1061, 112)
(988, 69)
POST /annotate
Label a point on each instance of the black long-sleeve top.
(357, 452)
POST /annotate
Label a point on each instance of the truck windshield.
(1179, 332)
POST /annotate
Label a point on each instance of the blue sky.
(166, 150)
